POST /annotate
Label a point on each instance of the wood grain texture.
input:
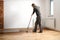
(46, 35)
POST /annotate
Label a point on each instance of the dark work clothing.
(38, 20)
(37, 11)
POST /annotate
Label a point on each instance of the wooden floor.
(46, 35)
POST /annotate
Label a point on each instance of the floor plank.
(46, 35)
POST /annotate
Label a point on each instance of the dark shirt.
(37, 12)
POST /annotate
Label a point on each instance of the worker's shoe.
(40, 32)
(34, 31)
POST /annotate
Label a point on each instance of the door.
(1, 15)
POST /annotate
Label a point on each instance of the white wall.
(43, 8)
(47, 8)
(14, 10)
(56, 7)
(49, 20)
(17, 12)
(57, 13)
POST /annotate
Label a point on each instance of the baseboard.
(52, 29)
(23, 29)
(16, 30)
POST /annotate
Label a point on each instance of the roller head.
(26, 31)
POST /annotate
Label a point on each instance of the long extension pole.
(29, 24)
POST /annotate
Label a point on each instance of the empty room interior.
(29, 19)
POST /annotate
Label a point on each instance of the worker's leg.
(39, 23)
(35, 29)
(40, 28)
(36, 23)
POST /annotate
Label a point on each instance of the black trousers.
(38, 22)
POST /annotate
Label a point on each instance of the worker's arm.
(33, 11)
